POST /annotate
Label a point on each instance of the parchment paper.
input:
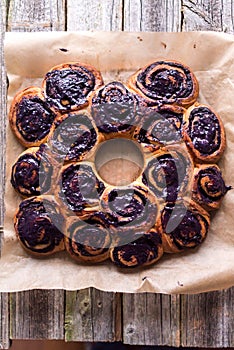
(117, 55)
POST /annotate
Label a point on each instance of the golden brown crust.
(204, 133)
(169, 173)
(208, 186)
(34, 172)
(113, 109)
(66, 138)
(29, 107)
(159, 126)
(20, 186)
(78, 189)
(133, 206)
(124, 223)
(145, 249)
(183, 225)
(38, 224)
(87, 242)
(176, 83)
(62, 92)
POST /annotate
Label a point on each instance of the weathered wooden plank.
(4, 316)
(207, 319)
(214, 15)
(94, 15)
(4, 321)
(151, 319)
(3, 114)
(92, 315)
(152, 15)
(148, 16)
(35, 15)
(37, 314)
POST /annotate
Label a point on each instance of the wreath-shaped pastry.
(69, 206)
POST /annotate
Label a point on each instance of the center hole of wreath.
(119, 161)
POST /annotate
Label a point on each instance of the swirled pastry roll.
(169, 173)
(33, 172)
(79, 188)
(69, 86)
(133, 206)
(89, 240)
(183, 225)
(165, 82)
(30, 117)
(204, 133)
(114, 110)
(73, 136)
(39, 226)
(145, 249)
(208, 186)
(159, 126)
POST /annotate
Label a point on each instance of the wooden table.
(204, 320)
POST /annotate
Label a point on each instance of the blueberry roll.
(30, 117)
(145, 249)
(69, 86)
(33, 172)
(113, 110)
(169, 173)
(159, 126)
(79, 188)
(208, 186)
(73, 136)
(183, 225)
(134, 206)
(39, 226)
(165, 82)
(204, 133)
(90, 240)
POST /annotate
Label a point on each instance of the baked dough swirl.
(145, 249)
(133, 206)
(39, 226)
(159, 126)
(204, 133)
(69, 86)
(169, 173)
(114, 110)
(32, 173)
(30, 117)
(183, 225)
(90, 240)
(165, 82)
(79, 188)
(73, 136)
(208, 186)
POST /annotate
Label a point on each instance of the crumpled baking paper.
(210, 55)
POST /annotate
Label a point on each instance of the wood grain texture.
(37, 314)
(152, 15)
(150, 319)
(4, 321)
(93, 315)
(214, 15)
(207, 319)
(4, 314)
(94, 15)
(3, 93)
(35, 15)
